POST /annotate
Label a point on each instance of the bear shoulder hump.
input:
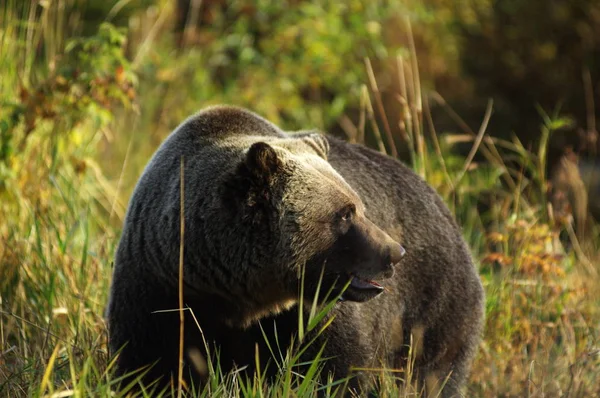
(220, 121)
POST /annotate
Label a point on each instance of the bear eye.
(346, 214)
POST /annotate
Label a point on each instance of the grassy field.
(80, 117)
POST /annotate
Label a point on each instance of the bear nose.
(396, 253)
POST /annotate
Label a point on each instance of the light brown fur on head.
(309, 179)
(306, 193)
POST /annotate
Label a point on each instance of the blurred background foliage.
(89, 89)
(301, 63)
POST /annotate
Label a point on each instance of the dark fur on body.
(243, 252)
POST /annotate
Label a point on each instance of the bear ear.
(262, 162)
(317, 142)
(249, 183)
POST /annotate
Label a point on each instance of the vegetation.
(85, 100)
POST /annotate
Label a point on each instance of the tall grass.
(61, 213)
(56, 242)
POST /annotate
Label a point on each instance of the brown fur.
(262, 208)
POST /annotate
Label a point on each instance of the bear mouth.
(361, 289)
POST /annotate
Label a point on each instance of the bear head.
(323, 238)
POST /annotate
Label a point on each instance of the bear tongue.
(359, 283)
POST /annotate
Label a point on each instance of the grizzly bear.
(269, 214)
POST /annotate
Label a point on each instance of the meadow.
(85, 101)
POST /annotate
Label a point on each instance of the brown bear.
(269, 214)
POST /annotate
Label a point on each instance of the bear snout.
(378, 248)
(396, 253)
